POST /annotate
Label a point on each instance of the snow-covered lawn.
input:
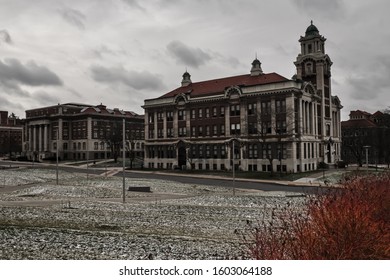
(174, 221)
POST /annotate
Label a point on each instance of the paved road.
(221, 182)
(182, 178)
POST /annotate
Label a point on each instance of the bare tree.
(270, 129)
(113, 138)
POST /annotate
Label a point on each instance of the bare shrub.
(351, 222)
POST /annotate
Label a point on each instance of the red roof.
(358, 123)
(218, 86)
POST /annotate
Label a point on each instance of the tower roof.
(312, 30)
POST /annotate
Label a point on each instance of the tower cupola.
(256, 68)
(186, 79)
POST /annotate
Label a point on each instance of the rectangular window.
(181, 115)
(266, 107)
(252, 128)
(193, 131)
(201, 151)
(207, 130)
(182, 131)
(193, 114)
(215, 151)
(222, 129)
(252, 109)
(215, 130)
(95, 145)
(280, 106)
(170, 132)
(222, 111)
(235, 110)
(223, 151)
(160, 116)
(266, 128)
(281, 127)
(200, 111)
(151, 118)
(207, 151)
(214, 112)
(169, 116)
(200, 130)
(207, 112)
(235, 129)
(266, 151)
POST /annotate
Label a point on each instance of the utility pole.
(58, 136)
(124, 157)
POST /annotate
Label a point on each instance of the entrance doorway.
(182, 157)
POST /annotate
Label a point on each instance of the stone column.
(45, 148)
(34, 139)
(30, 139)
(146, 125)
(40, 142)
(164, 123)
(273, 116)
(227, 120)
(300, 116)
(175, 124)
(303, 117)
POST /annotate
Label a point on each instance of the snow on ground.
(84, 218)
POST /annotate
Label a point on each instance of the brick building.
(366, 132)
(264, 121)
(81, 132)
(11, 129)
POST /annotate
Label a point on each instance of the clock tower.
(314, 66)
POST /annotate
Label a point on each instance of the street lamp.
(366, 148)
(124, 157)
(58, 136)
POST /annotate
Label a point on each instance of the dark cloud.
(133, 79)
(73, 17)
(31, 74)
(5, 37)
(320, 8)
(188, 56)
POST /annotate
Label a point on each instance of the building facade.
(11, 132)
(366, 136)
(81, 132)
(255, 122)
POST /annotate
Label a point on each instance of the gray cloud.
(44, 98)
(73, 17)
(188, 56)
(31, 74)
(5, 37)
(320, 8)
(132, 79)
(103, 50)
(369, 85)
(134, 4)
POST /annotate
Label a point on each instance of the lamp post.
(366, 148)
(58, 136)
(124, 157)
(234, 168)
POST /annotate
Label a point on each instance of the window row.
(219, 111)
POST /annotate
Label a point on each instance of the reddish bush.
(351, 222)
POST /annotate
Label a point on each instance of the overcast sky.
(120, 52)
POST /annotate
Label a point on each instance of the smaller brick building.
(366, 132)
(82, 132)
(11, 128)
